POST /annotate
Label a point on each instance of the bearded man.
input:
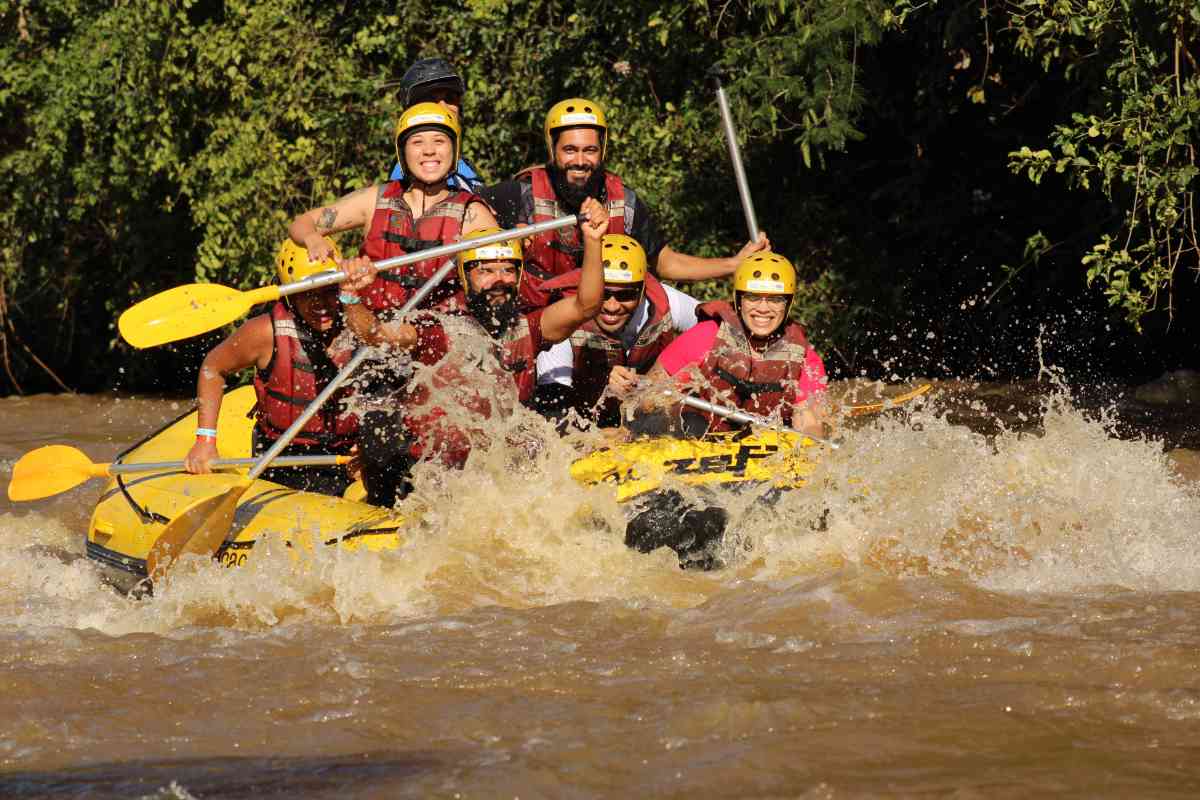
(577, 136)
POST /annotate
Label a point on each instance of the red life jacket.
(595, 353)
(394, 232)
(290, 382)
(436, 436)
(560, 251)
(751, 380)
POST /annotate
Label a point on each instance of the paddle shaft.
(361, 355)
(735, 155)
(323, 279)
(746, 418)
(219, 463)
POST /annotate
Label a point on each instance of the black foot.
(669, 521)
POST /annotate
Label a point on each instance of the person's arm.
(688, 349)
(351, 211)
(478, 217)
(561, 319)
(250, 345)
(677, 266)
(363, 321)
(812, 411)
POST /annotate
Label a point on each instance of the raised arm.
(351, 211)
(562, 318)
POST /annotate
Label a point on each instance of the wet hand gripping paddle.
(197, 308)
(54, 469)
(747, 418)
(204, 526)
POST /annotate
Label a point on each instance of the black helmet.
(428, 71)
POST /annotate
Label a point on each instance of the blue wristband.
(207, 433)
(348, 299)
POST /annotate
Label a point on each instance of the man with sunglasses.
(434, 80)
(603, 361)
(577, 145)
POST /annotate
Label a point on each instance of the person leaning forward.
(602, 363)
(459, 375)
(577, 136)
(415, 213)
(296, 348)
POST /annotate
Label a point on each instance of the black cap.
(426, 72)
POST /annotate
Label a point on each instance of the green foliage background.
(148, 143)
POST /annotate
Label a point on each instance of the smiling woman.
(748, 354)
(416, 212)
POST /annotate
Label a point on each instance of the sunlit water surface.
(991, 594)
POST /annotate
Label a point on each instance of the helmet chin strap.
(426, 189)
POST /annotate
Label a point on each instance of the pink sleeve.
(813, 381)
(689, 347)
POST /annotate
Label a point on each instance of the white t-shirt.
(557, 364)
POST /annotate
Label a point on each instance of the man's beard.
(496, 319)
(571, 195)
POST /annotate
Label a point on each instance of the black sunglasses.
(622, 295)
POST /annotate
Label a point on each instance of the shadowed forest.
(967, 188)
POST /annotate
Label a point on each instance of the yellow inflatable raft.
(134, 509)
(776, 459)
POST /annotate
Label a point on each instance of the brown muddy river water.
(1002, 600)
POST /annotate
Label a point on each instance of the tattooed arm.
(478, 217)
(352, 211)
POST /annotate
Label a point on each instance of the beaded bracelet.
(349, 299)
(206, 433)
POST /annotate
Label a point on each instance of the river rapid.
(993, 593)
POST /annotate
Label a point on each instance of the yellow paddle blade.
(49, 470)
(199, 528)
(187, 311)
(872, 408)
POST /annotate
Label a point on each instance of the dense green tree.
(148, 143)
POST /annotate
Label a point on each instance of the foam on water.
(908, 495)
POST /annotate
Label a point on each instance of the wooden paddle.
(204, 526)
(197, 308)
(55, 468)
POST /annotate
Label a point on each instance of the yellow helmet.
(624, 259)
(765, 273)
(423, 116)
(508, 250)
(576, 113)
(292, 263)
